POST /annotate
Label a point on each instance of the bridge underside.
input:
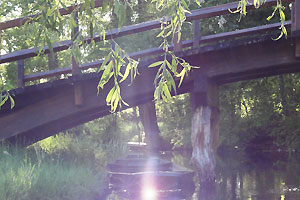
(46, 109)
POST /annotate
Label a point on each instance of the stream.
(246, 176)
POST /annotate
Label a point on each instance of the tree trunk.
(149, 121)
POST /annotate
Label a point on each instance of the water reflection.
(240, 176)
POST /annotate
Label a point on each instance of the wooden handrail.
(128, 30)
(155, 51)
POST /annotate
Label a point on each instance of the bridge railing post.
(196, 36)
(78, 93)
(21, 80)
(296, 25)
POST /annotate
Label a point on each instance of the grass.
(60, 168)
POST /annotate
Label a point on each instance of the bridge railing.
(194, 17)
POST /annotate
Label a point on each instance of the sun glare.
(149, 193)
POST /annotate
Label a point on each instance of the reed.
(59, 168)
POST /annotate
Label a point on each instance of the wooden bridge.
(45, 109)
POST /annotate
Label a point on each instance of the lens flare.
(149, 193)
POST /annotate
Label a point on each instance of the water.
(246, 176)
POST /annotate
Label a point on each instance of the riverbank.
(58, 168)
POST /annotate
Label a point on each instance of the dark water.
(246, 176)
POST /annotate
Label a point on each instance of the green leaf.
(106, 75)
(169, 33)
(49, 44)
(110, 94)
(284, 31)
(64, 5)
(169, 65)
(3, 100)
(173, 85)
(280, 36)
(103, 35)
(104, 62)
(72, 22)
(161, 33)
(12, 102)
(181, 75)
(120, 11)
(160, 4)
(115, 105)
(282, 15)
(198, 3)
(236, 11)
(115, 94)
(126, 73)
(271, 16)
(50, 11)
(174, 65)
(167, 91)
(157, 75)
(156, 64)
(91, 30)
(185, 4)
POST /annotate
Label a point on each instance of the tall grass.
(59, 168)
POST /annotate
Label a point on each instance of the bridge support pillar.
(205, 128)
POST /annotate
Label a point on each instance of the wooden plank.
(21, 81)
(155, 51)
(22, 20)
(128, 30)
